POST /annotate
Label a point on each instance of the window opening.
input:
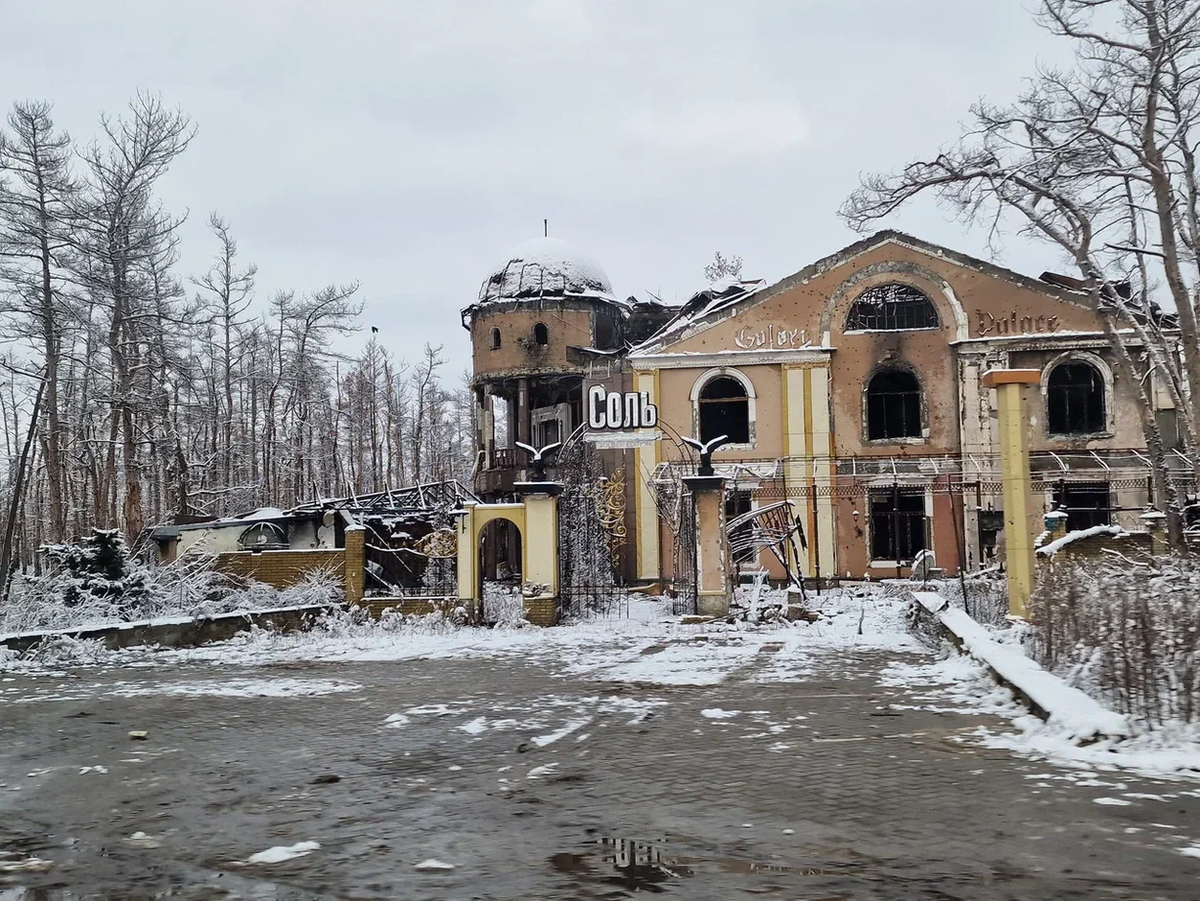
(495, 339)
(1086, 504)
(1075, 399)
(725, 410)
(891, 308)
(893, 405)
(541, 334)
(897, 524)
(736, 503)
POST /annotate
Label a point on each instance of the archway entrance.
(501, 565)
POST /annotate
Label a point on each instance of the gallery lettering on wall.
(771, 337)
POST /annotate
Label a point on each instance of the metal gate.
(683, 558)
(589, 536)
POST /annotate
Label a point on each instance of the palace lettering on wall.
(1013, 324)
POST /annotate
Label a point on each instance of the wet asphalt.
(530, 784)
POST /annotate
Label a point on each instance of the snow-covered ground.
(963, 685)
(645, 647)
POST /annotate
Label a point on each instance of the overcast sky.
(411, 145)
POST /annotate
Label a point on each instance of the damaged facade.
(851, 389)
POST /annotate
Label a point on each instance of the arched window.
(1075, 399)
(495, 339)
(724, 410)
(891, 308)
(893, 405)
(541, 334)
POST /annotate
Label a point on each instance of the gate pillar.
(712, 545)
(540, 546)
(468, 559)
(1019, 505)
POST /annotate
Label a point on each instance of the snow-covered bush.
(97, 582)
(986, 599)
(1126, 631)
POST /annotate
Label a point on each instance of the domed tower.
(542, 320)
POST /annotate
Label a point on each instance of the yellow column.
(796, 445)
(645, 511)
(541, 539)
(712, 546)
(822, 451)
(1010, 385)
(539, 545)
(468, 558)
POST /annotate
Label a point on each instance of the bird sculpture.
(538, 457)
(705, 449)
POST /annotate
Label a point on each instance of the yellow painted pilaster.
(1019, 530)
(822, 451)
(540, 542)
(468, 557)
(795, 444)
(645, 512)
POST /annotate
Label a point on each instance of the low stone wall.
(409, 606)
(179, 632)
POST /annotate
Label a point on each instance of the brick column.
(1155, 522)
(356, 549)
(712, 545)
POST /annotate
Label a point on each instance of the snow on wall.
(1049, 550)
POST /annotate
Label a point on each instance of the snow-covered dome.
(546, 267)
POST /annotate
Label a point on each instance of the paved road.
(536, 785)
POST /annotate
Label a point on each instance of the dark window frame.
(1076, 399)
(894, 412)
(541, 334)
(899, 525)
(1086, 504)
(725, 410)
(894, 307)
(495, 338)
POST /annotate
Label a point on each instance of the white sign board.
(613, 411)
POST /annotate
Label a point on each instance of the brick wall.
(542, 612)
(281, 569)
(1133, 544)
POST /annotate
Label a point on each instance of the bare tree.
(722, 267)
(227, 292)
(1098, 160)
(37, 192)
(121, 228)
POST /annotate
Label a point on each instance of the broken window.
(893, 405)
(1075, 399)
(897, 524)
(736, 503)
(495, 339)
(724, 410)
(891, 308)
(548, 432)
(541, 334)
(1086, 504)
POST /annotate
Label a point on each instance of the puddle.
(654, 867)
(633, 865)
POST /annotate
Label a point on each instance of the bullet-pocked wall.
(932, 322)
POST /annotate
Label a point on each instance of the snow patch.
(281, 853)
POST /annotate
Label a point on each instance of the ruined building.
(851, 389)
